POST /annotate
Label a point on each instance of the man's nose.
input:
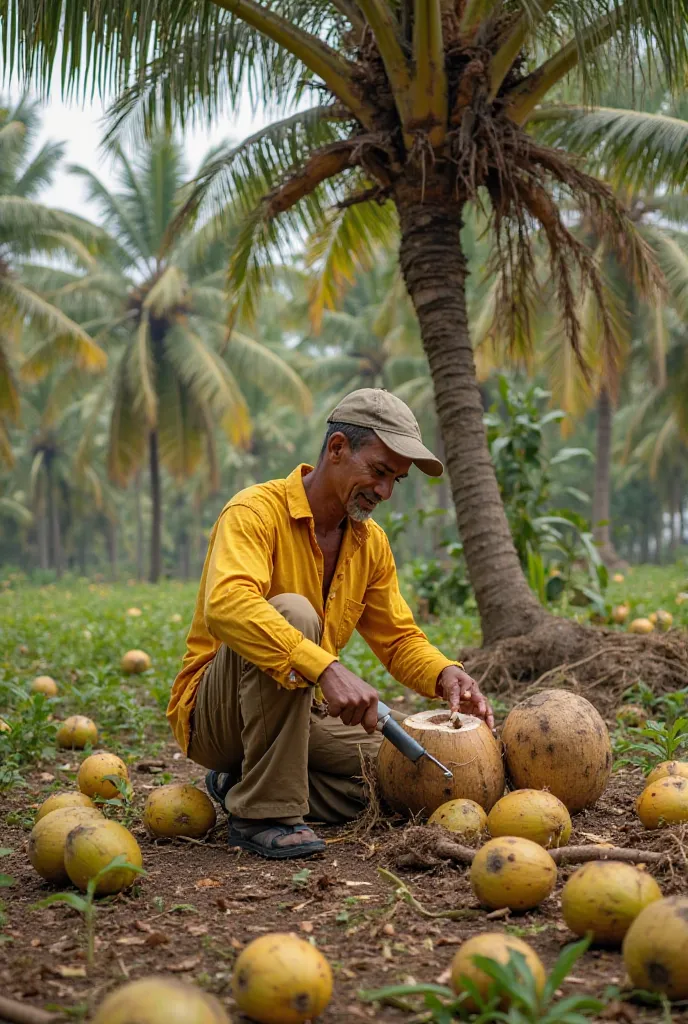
(383, 489)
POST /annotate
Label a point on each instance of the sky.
(80, 127)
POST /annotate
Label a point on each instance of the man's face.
(365, 477)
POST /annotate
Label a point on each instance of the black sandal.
(218, 785)
(246, 838)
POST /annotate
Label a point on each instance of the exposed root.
(405, 894)
(598, 663)
(427, 848)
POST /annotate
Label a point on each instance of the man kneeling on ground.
(293, 567)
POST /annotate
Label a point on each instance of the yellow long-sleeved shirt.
(264, 544)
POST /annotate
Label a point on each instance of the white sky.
(80, 127)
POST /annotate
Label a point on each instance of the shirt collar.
(299, 507)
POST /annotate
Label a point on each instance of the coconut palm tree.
(29, 230)
(422, 104)
(159, 303)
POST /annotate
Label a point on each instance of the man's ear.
(337, 447)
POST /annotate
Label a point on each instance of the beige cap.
(392, 421)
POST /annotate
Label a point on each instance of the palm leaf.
(673, 261)
(168, 292)
(129, 430)
(268, 371)
(9, 394)
(142, 372)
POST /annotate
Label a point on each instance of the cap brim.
(410, 448)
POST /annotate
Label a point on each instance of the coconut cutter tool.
(399, 738)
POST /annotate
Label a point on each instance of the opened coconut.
(666, 768)
(664, 802)
(498, 947)
(91, 846)
(92, 776)
(512, 872)
(605, 897)
(77, 732)
(179, 810)
(58, 801)
(48, 838)
(44, 684)
(468, 749)
(134, 662)
(280, 979)
(160, 1000)
(531, 814)
(641, 626)
(462, 817)
(655, 949)
(557, 740)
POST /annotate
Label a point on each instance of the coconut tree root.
(19, 1012)
(405, 894)
(598, 663)
(423, 848)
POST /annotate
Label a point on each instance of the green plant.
(86, 905)
(32, 737)
(655, 741)
(514, 981)
(122, 804)
(5, 881)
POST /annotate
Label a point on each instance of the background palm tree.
(30, 231)
(158, 303)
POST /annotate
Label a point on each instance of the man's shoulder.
(269, 497)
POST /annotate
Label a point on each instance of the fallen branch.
(582, 854)
(18, 1012)
(404, 893)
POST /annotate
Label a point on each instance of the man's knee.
(298, 611)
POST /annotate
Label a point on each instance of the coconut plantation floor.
(199, 904)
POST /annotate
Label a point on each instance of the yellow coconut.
(498, 947)
(605, 897)
(5, 726)
(652, 617)
(160, 1000)
(134, 662)
(176, 617)
(470, 750)
(664, 802)
(667, 768)
(133, 613)
(681, 597)
(48, 838)
(280, 979)
(641, 626)
(462, 817)
(531, 814)
(91, 778)
(91, 846)
(632, 714)
(179, 810)
(655, 949)
(620, 614)
(665, 620)
(77, 732)
(44, 684)
(557, 740)
(618, 577)
(512, 872)
(59, 800)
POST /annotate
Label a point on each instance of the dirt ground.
(201, 903)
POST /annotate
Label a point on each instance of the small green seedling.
(5, 882)
(86, 905)
(512, 982)
(122, 804)
(655, 741)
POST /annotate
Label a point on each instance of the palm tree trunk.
(156, 522)
(111, 539)
(434, 269)
(53, 511)
(601, 494)
(139, 528)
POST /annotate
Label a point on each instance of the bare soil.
(201, 903)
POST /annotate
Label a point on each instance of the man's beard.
(356, 512)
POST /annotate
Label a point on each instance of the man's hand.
(348, 697)
(463, 694)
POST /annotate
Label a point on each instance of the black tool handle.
(397, 736)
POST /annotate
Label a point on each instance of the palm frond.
(129, 429)
(346, 244)
(168, 292)
(9, 393)
(26, 224)
(116, 215)
(142, 373)
(39, 171)
(673, 261)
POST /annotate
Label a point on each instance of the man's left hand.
(463, 694)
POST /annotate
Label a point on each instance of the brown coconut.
(557, 740)
(134, 662)
(470, 751)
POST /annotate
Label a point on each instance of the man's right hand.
(349, 697)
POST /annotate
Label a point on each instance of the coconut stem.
(404, 893)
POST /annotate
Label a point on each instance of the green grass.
(77, 632)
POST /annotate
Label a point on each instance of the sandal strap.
(254, 832)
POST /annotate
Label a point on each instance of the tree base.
(600, 664)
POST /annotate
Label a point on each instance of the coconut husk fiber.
(600, 664)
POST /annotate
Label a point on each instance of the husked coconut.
(469, 750)
(77, 732)
(605, 897)
(655, 949)
(668, 768)
(58, 801)
(641, 626)
(134, 662)
(462, 817)
(91, 846)
(160, 1000)
(44, 684)
(512, 872)
(531, 814)
(664, 802)
(557, 740)
(49, 836)
(498, 947)
(179, 810)
(92, 775)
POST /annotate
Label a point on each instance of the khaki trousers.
(288, 757)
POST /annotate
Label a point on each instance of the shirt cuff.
(310, 660)
(428, 683)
